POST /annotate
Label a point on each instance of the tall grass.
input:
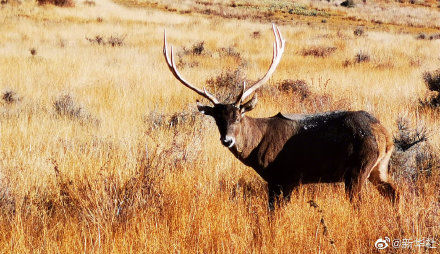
(102, 150)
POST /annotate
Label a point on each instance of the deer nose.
(228, 141)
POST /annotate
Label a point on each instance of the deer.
(287, 150)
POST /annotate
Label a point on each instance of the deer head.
(228, 116)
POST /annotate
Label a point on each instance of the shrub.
(198, 48)
(227, 85)
(98, 39)
(116, 40)
(413, 155)
(33, 51)
(157, 120)
(361, 57)
(185, 12)
(358, 31)
(319, 51)
(432, 81)
(89, 3)
(407, 137)
(348, 3)
(112, 40)
(347, 62)
(323, 102)
(256, 34)
(61, 3)
(298, 87)
(421, 36)
(299, 9)
(229, 51)
(232, 52)
(65, 106)
(10, 97)
(178, 149)
(434, 37)
(299, 98)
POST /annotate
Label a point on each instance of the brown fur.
(340, 146)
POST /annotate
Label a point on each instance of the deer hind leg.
(353, 186)
(357, 175)
(380, 179)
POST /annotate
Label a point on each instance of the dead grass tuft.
(318, 51)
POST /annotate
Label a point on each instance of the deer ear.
(207, 110)
(248, 106)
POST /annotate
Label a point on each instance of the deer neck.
(251, 134)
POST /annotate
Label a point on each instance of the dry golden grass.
(122, 169)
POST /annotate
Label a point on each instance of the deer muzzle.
(228, 141)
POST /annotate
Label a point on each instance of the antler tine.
(278, 50)
(172, 66)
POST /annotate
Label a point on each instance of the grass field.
(103, 151)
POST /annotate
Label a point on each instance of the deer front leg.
(275, 191)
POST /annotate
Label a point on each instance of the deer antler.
(172, 66)
(278, 50)
(240, 96)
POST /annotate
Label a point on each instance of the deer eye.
(236, 117)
